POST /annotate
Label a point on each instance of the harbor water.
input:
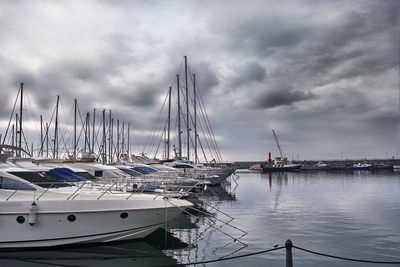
(347, 214)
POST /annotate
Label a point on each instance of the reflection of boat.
(127, 253)
(361, 166)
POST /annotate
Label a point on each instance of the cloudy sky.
(323, 74)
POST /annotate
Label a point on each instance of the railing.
(40, 189)
(289, 256)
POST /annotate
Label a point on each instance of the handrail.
(79, 188)
(47, 189)
(106, 191)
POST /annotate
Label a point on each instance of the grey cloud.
(282, 95)
(247, 73)
(206, 78)
(143, 96)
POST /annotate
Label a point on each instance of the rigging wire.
(12, 116)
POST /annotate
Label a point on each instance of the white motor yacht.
(37, 212)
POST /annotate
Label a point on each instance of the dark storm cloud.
(281, 95)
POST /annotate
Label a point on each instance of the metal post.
(289, 257)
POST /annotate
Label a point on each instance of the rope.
(344, 258)
(332, 246)
(224, 259)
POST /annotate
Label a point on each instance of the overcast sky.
(323, 74)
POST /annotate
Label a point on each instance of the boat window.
(39, 179)
(144, 169)
(131, 172)
(181, 166)
(98, 173)
(9, 183)
(86, 175)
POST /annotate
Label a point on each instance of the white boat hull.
(95, 221)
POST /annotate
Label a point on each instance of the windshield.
(40, 179)
(144, 169)
(9, 183)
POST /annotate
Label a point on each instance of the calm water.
(358, 210)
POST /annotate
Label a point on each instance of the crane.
(277, 144)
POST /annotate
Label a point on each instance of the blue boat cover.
(65, 174)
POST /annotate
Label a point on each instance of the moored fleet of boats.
(47, 202)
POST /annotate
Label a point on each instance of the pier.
(336, 164)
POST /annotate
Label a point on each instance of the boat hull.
(291, 168)
(82, 223)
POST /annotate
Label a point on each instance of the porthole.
(20, 219)
(71, 218)
(124, 215)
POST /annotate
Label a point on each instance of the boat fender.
(33, 214)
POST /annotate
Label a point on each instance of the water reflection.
(138, 253)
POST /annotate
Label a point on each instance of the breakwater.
(335, 164)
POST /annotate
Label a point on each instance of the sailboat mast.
(109, 137)
(55, 149)
(47, 139)
(87, 143)
(195, 118)
(179, 120)
(93, 129)
(123, 138)
(118, 153)
(187, 110)
(12, 136)
(75, 107)
(112, 140)
(104, 138)
(169, 121)
(128, 147)
(41, 136)
(20, 120)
